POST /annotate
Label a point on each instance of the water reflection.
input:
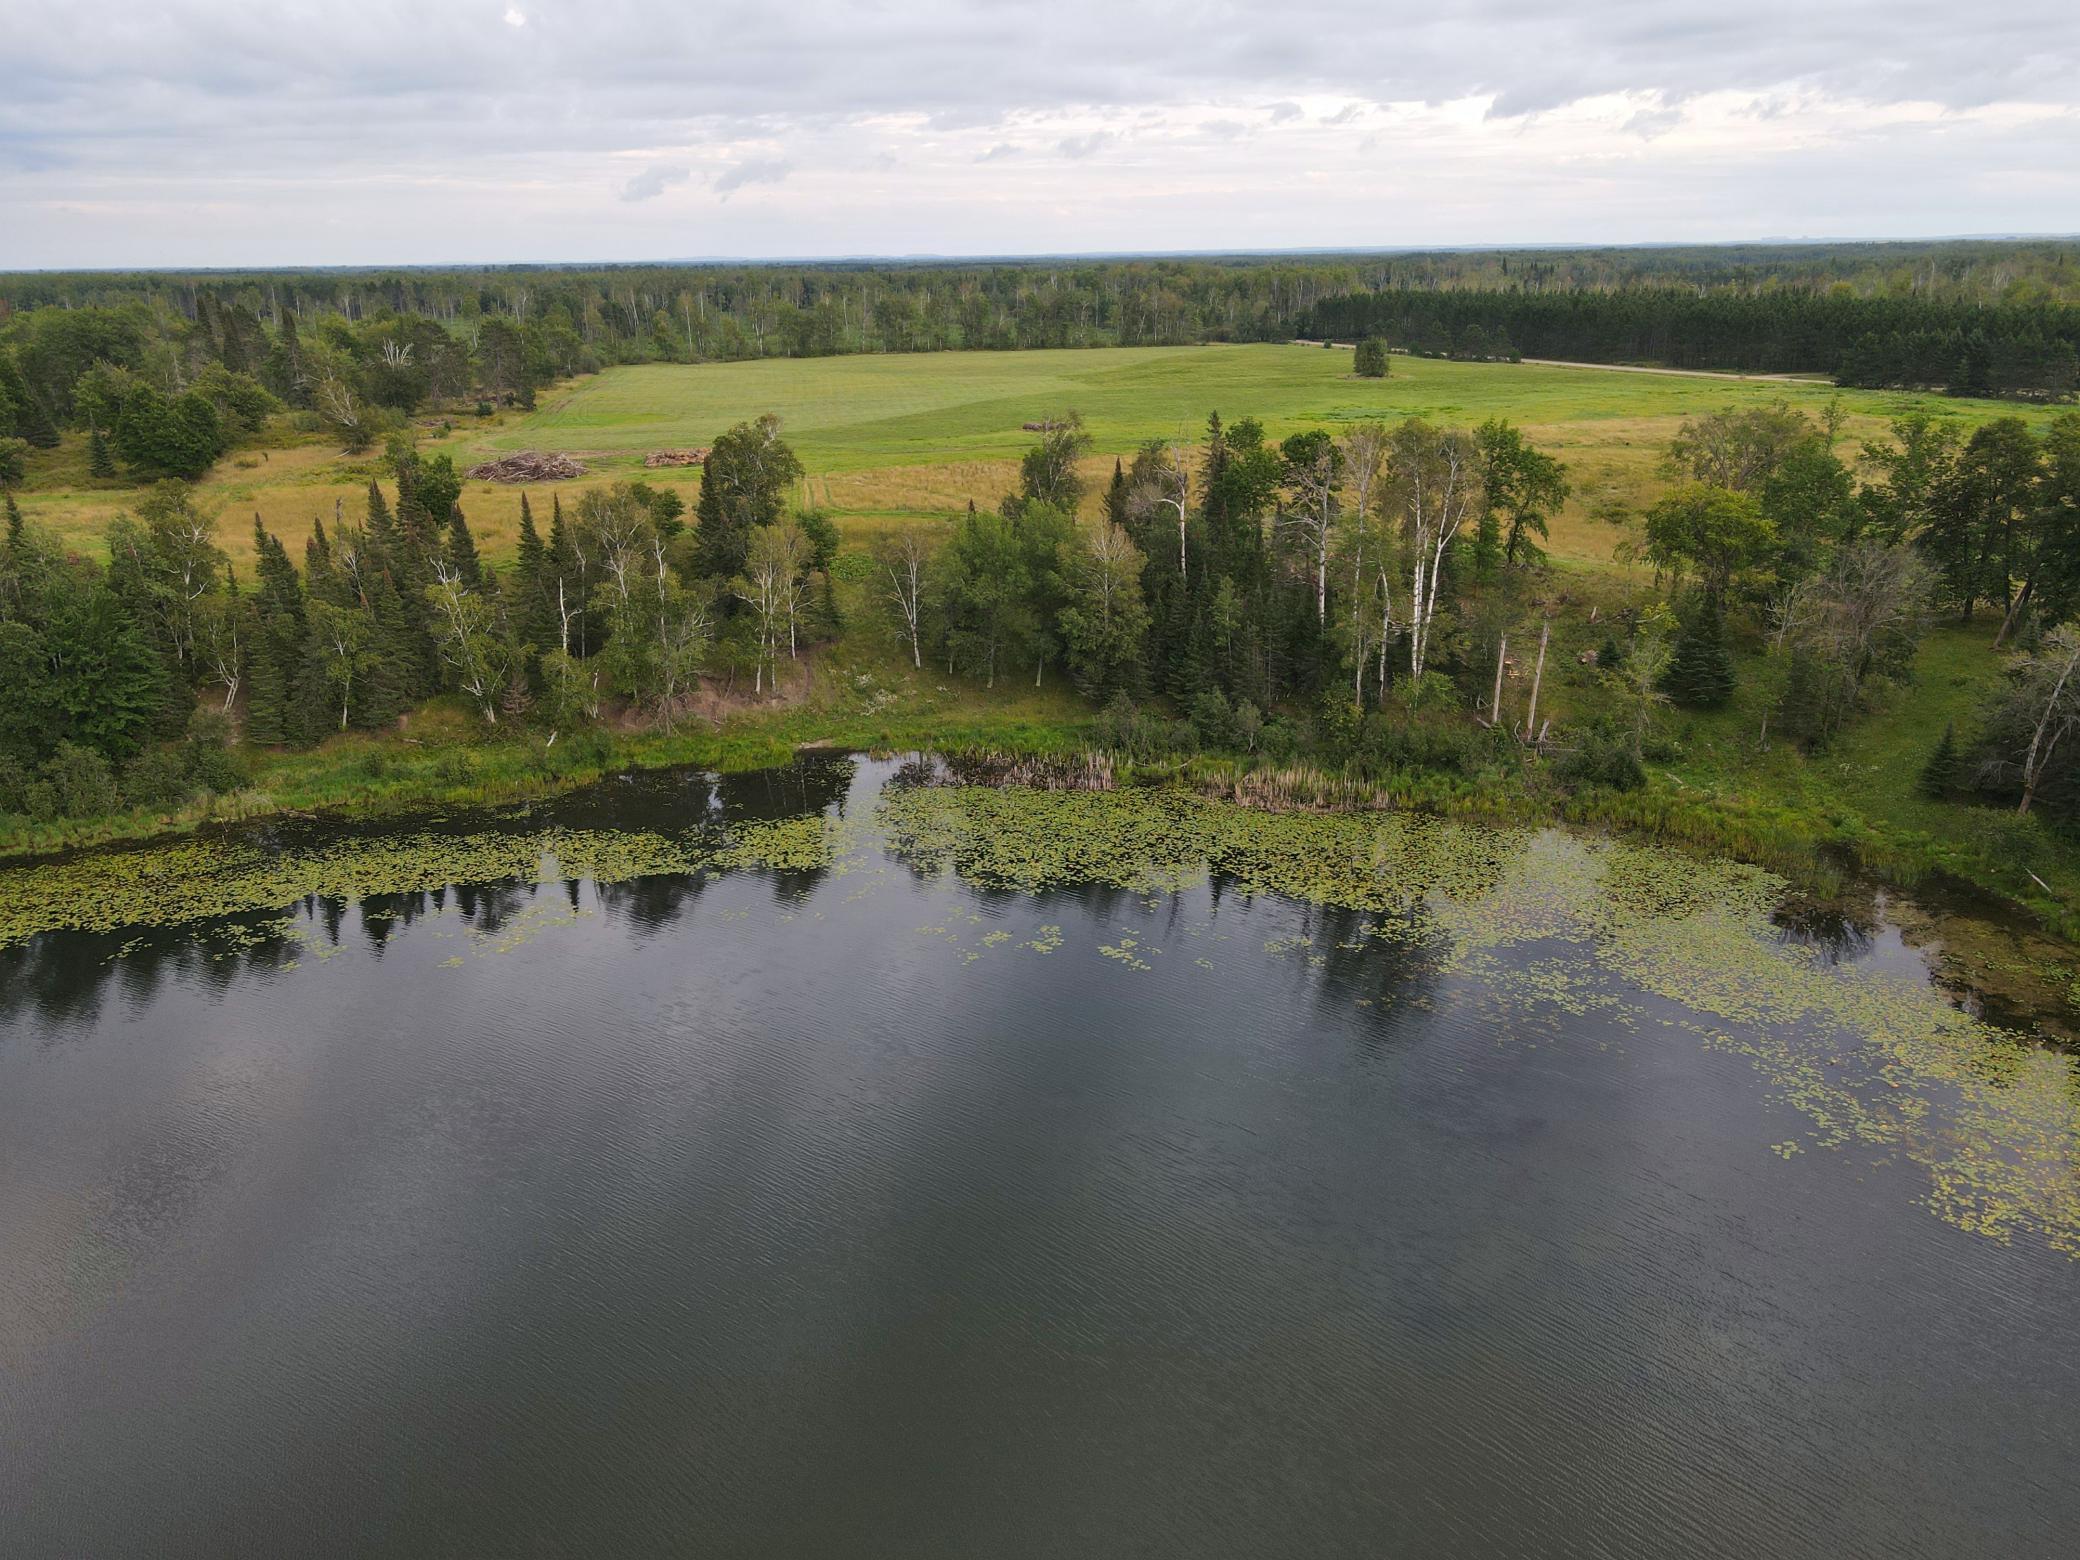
(795, 1213)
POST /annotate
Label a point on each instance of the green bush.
(207, 757)
(1213, 719)
(157, 777)
(81, 782)
(15, 780)
(1602, 755)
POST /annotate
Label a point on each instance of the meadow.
(885, 437)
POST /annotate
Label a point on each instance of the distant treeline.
(1966, 348)
(348, 346)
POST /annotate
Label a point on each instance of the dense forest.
(168, 370)
(1352, 598)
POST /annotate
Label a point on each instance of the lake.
(823, 1162)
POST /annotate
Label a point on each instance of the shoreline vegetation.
(1990, 949)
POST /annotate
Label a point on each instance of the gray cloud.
(753, 170)
(133, 115)
(653, 182)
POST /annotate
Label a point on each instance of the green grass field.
(894, 436)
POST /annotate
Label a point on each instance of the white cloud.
(514, 17)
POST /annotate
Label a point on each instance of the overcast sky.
(255, 132)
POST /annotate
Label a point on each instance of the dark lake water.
(787, 1214)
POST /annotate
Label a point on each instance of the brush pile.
(528, 466)
(658, 458)
(1040, 427)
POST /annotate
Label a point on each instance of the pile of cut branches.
(658, 458)
(528, 466)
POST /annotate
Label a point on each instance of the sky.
(278, 132)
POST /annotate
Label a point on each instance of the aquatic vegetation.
(1653, 940)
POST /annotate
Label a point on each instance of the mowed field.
(885, 438)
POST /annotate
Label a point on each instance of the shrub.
(15, 780)
(156, 778)
(1249, 726)
(1212, 718)
(1602, 755)
(81, 782)
(207, 757)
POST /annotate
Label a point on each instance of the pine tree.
(1700, 671)
(100, 463)
(1116, 496)
(1943, 775)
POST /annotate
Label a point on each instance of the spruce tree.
(462, 551)
(1943, 775)
(267, 697)
(100, 463)
(1609, 656)
(1801, 712)
(1700, 671)
(1116, 496)
(532, 611)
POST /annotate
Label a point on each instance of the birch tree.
(2051, 694)
(904, 558)
(1433, 490)
(1161, 488)
(1106, 618)
(771, 586)
(1364, 450)
(472, 644)
(1313, 477)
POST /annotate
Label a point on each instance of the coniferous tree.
(1943, 775)
(1802, 708)
(100, 462)
(1116, 495)
(1700, 671)
(462, 550)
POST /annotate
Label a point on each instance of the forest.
(168, 370)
